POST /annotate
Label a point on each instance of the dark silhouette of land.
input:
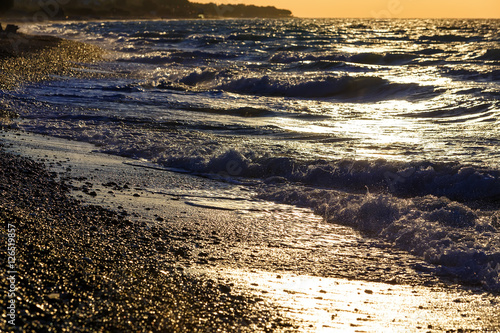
(213, 10)
(116, 9)
(5, 5)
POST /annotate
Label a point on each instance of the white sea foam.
(463, 243)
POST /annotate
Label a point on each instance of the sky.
(381, 8)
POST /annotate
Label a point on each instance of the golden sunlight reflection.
(338, 305)
(379, 127)
(361, 49)
(391, 129)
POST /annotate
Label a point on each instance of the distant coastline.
(137, 9)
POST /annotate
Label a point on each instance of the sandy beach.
(108, 243)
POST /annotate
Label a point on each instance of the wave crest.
(361, 58)
(363, 87)
(491, 54)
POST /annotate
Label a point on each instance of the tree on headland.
(240, 10)
(100, 9)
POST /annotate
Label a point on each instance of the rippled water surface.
(390, 126)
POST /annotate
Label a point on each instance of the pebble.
(88, 260)
(116, 276)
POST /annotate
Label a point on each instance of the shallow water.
(390, 127)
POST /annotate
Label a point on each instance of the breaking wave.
(364, 88)
(361, 58)
(491, 54)
(343, 86)
(457, 241)
(454, 181)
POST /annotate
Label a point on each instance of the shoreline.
(229, 257)
(84, 268)
(104, 240)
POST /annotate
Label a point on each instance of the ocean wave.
(249, 37)
(461, 243)
(454, 181)
(491, 54)
(361, 26)
(244, 111)
(358, 88)
(206, 77)
(361, 58)
(474, 75)
(291, 57)
(382, 59)
(430, 51)
(326, 65)
(126, 88)
(182, 57)
(160, 34)
(444, 38)
(464, 27)
(206, 39)
(143, 59)
(292, 48)
(456, 111)
(197, 77)
(172, 37)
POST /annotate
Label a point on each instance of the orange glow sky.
(381, 8)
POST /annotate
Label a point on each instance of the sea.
(391, 127)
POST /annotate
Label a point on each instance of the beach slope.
(76, 268)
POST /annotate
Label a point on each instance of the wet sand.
(84, 268)
(105, 243)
